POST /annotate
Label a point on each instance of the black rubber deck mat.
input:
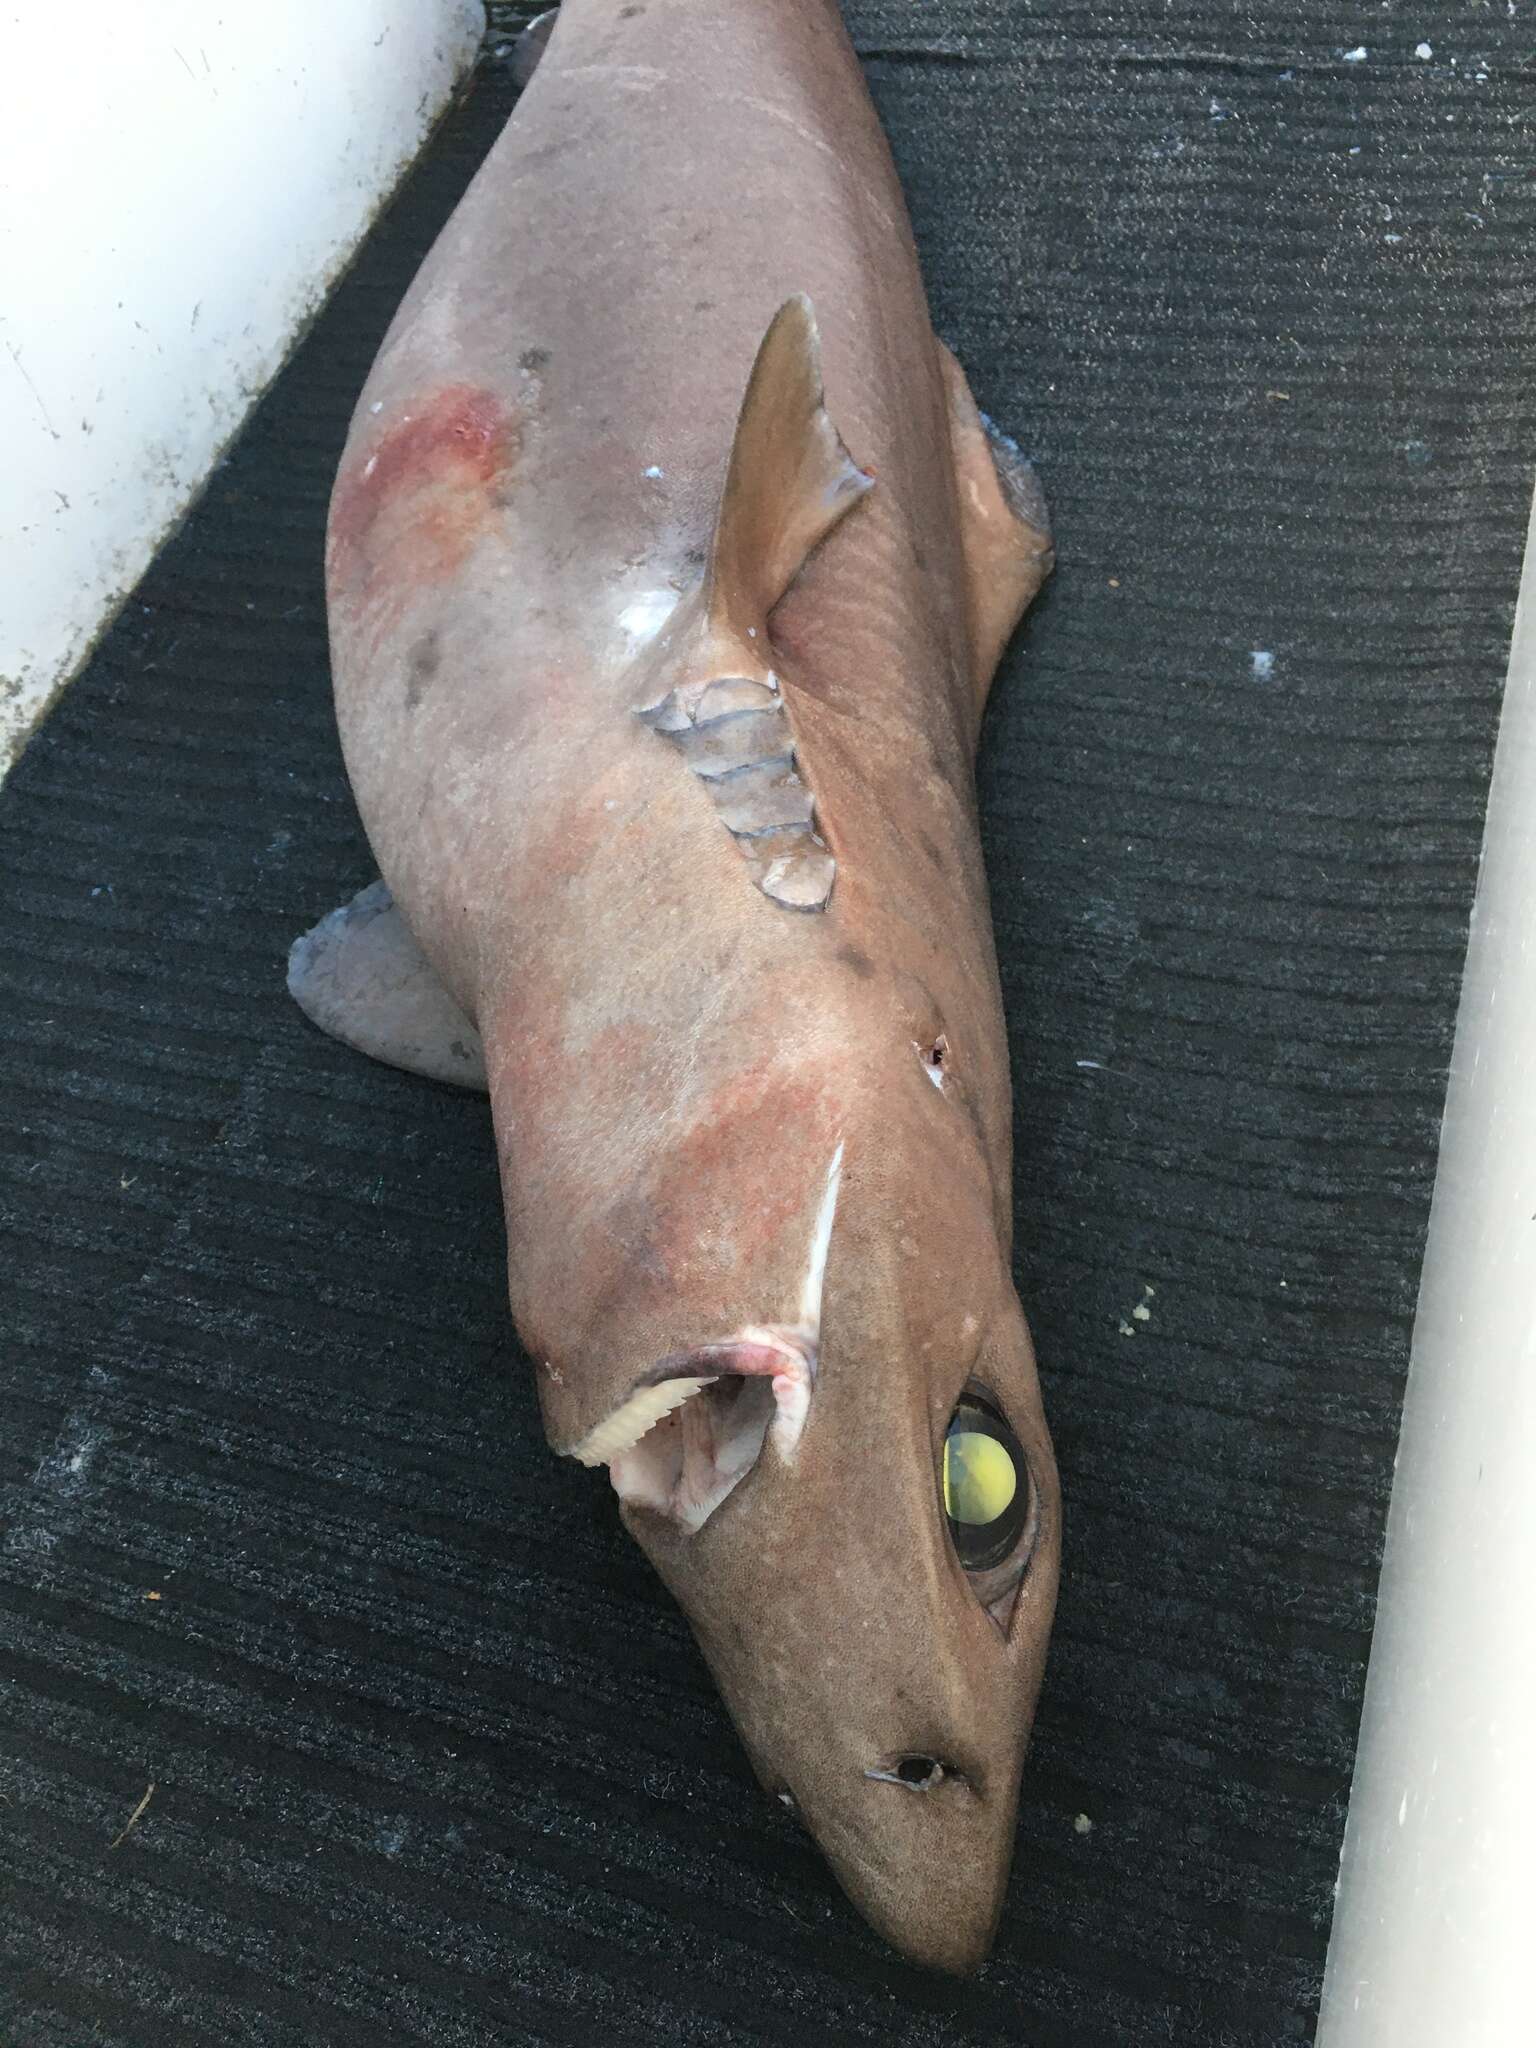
(433, 1759)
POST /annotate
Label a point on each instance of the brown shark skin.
(672, 1058)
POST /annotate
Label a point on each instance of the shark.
(668, 562)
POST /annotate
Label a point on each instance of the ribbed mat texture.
(433, 1759)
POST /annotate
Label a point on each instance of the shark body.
(669, 561)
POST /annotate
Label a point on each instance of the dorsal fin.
(789, 482)
(710, 687)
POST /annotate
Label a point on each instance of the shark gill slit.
(735, 735)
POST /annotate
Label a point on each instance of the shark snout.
(882, 1688)
(922, 1845)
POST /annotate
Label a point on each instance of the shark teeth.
(623, 1429)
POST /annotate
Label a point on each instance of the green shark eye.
(985, 1483)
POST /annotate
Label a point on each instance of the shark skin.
(668, 564)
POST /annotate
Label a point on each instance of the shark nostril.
(920, 1771)
(917, 1773)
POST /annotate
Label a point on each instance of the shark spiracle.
(735, 736)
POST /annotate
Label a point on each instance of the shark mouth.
(696, 1424)
(692, 1432)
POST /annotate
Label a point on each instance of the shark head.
(859, 1513)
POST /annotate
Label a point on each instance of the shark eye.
(986, 1485)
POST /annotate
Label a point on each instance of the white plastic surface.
(1434, 1938)
(179, 184)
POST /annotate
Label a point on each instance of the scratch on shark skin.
(648, 76)
(782, 114)
(792, 1388)
(821, 1244)
(778, 113)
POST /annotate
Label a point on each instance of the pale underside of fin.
(361, 977)
(789, 481)
(528, 46)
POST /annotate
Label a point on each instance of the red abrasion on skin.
(407, 509)
(715, 1183)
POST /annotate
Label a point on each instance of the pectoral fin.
(361, 977)
(1004, 527)
(528, 47)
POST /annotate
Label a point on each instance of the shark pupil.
(985, 1485)
(980, 1478)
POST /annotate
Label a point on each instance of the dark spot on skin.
(546, 154)
(631, 1223)
(533, 359)
(703, 305)
(629, 13)
(425, 660)
(856, 962)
